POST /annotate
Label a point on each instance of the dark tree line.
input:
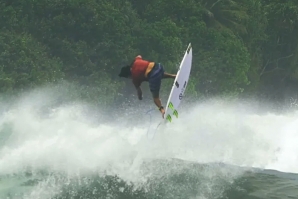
(241, 47)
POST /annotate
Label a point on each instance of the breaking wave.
(215, 150)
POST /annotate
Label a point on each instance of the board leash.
(149, 113)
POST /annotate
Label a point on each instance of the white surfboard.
(179, 86)
(177, 92)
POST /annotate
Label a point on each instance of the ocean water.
(215, 150)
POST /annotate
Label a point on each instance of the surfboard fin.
(169, 118)
(171, 106)
(175, 113)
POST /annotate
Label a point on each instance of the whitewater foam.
(66, 141)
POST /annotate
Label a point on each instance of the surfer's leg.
(154, 80)
(167, 75)
(154, 84)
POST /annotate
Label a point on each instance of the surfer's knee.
(155, 93)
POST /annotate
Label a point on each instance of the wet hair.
(125, 71)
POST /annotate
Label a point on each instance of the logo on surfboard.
(182, 91)
(180, 96)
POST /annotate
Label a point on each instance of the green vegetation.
(241, 47)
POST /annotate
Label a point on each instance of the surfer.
(142, 70)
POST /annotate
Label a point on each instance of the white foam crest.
(66, 141)
(221, 132)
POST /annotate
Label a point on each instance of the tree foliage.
(239, 46)
(25, 62)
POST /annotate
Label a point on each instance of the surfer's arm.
(138, 87)
(139, 90)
